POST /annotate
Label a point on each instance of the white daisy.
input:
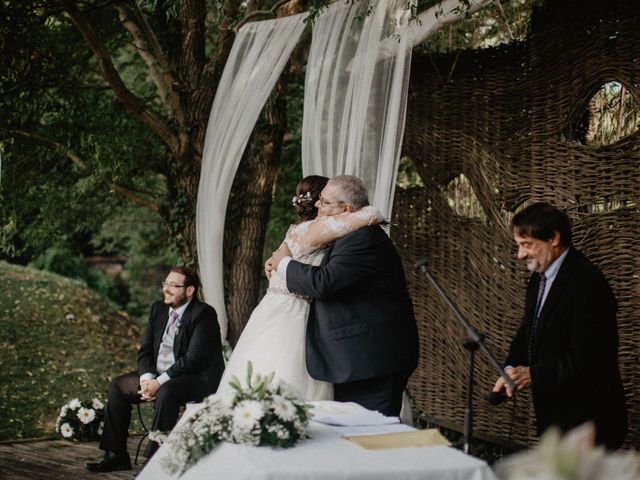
(247, 414)
(86, 415)
(64, 410)
(74, 404)
(66, 430)
(283, 408)
(97, 404)
(101, 428)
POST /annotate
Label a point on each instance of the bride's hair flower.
(301, 199)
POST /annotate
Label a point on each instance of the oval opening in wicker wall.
(462, 198)
(609, 115)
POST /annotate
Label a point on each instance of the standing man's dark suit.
(361, 334)
(566, 349)
(190, 370)
(574, 355)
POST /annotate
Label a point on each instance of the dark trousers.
(123, 393)
(383, 394)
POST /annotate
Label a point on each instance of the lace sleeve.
(325, 230)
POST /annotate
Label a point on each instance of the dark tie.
(534, 326)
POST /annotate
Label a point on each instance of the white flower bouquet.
(570, 457)
(81, 420)
(262, 413)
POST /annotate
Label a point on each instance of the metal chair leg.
(146, 434)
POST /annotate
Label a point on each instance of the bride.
(274, 337)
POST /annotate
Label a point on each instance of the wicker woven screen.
(505, 119)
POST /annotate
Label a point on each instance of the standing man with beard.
(179, 361)
(566, 349)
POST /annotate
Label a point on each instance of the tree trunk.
(248, 212)
(183, 194)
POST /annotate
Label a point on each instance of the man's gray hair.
(351, 190)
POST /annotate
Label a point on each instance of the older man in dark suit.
(179, 361)
(566, 349)
(361, 333)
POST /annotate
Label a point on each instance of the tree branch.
(259, 14)
(58, 147)
(144, 52)
(132, 103)
(506, 20)
(165, 66)
(76, 160)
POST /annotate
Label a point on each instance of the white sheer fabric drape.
(259, 53)
(356, 95)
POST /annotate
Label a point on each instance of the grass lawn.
(58, 340)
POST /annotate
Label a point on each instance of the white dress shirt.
(165, 353)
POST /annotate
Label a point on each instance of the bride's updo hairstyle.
(307, 194)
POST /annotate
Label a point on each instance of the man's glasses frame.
(325, 203)
(172, 285)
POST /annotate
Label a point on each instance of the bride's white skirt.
(273, 340)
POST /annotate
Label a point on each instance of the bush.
(62, 261)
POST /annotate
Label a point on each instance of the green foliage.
(63, 262)
(487, 27)
(66, 143)
(58, 340)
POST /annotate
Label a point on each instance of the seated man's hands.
(148, 389)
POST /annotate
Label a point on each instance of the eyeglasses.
(172, 285)
(326, 203)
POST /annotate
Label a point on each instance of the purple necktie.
(543, 283)
(173, 316)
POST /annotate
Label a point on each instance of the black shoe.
(109, 463)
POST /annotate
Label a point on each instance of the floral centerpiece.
(81, 420)
(570, 457)
(263, 412)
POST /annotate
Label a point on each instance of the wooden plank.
(57, 459)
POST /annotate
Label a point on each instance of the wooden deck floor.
(57, 459)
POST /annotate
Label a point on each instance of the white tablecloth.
(326, 456)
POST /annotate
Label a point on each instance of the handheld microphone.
(496, 398)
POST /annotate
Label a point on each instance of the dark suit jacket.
(361, 324)
(197, 347)
(574, 361)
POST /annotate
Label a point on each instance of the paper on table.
(371, 429)
(351, 419)
(418, 438)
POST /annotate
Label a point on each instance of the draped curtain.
(259, 53)
(356, 94)
(354, 106)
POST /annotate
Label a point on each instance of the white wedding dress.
(274, 337)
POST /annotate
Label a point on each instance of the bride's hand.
(279, 254)
(268, 267)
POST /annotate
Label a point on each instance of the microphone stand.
(473, 341)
